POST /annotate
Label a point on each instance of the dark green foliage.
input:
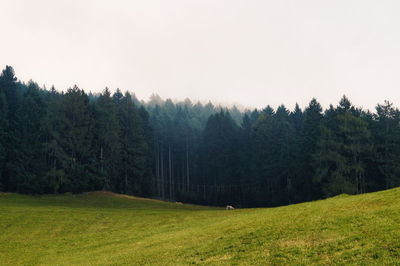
(8, 83)
(220, 144)
(310, 133)
(3, 135)
(342, 150)
(274, 143)
(11, 150)
(56, 156)
(52, 142)
(107, 145)
(75, 139)
(31, 114)
(265, 159)
(136, 176)
(386, 131)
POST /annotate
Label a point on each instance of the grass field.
(106, 228)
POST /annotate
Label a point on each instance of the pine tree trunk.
(182, 188)
(187, 164)
(170, 174)
(101, 159)
(126, 179)
(162, 175)
(157, 162)
(54, 169)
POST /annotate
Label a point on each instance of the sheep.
(178, 202)
(229, 207)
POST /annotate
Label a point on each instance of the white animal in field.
(229, 207)
(178, 202)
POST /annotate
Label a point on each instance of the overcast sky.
(249, 52)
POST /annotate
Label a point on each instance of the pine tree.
(220, 142)
(31, 115)
(76, 138)
(285, 138)
(3, 134)
(357, 145)
(137, 178)
(148, 188)
(12, 162)
(297, 120)
(8, 83)
(57, 159)
(387, 141)
(342, 150)
(107, 148)
(265, 158)
(311, 132)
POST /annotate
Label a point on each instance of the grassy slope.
(104, 228)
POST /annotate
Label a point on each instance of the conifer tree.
(342, 152)
(3, 134)
(76, 138)
(12, 161)
(265, 159)
(136, 175)
(310, 133)
(107, 148)
(285, 138)
(57, 160)
(31, 115)
(387, 141)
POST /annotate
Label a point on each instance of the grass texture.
(102, 228)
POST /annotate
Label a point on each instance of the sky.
(228, 51)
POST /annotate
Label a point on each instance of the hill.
(106, 228)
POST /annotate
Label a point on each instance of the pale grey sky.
(251, 52)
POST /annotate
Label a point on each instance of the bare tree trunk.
(187, 164)
(386, 154)
(182, 188)
(288, 186)
(54, 173)
(101, 160)
(162, 175)
(173, 178)
(157, 162)
(170, 174)
(126, 178)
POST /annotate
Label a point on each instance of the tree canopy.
(72, 141)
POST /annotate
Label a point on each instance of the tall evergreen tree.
(57, 160)
(3, 134)
(266, 148)
(221, 148)
(297, 120)
(75, 139)
(31, 115)
(107, 148)
(137, 177)
(387, 139)
(310, 134)
(342, 151)
(285, 138)
(12, 162)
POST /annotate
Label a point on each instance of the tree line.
(57, 142)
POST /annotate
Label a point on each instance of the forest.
(74, 141)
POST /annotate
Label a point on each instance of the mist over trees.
(57, 142)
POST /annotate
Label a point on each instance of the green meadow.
(103, 228)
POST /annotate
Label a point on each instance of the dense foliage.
(56, 142)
